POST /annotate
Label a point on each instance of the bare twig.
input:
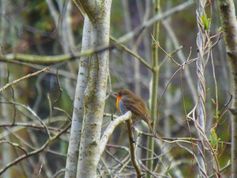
(16, 145)
(23, 78)
(31, 112)
(154, 19)
(132, 149)
(123, 47)
(35, 152)
(110, 128)
(38, 59)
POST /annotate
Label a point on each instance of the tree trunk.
(229, 21)
(78, 112)
(95, 95)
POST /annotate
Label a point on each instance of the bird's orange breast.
(117, 102)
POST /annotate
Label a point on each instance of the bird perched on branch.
(126, 100)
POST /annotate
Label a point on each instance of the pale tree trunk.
(67, 42)
(77, 117)
(6, 155)
(229, 21)
(95, 95)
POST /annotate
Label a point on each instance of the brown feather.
(135, 104)
(138, 108)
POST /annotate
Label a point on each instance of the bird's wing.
(137, 107)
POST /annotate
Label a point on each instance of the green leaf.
(214, 140)
(206, 21)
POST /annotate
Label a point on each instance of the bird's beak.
(114, 94)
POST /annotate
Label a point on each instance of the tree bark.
(229, 22)
(78, 111)
(95, 94)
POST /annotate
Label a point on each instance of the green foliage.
(214, 139)
(206, 21)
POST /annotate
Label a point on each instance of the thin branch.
(38, 59)
(132, 150)
(125, 48)
(15, 145)
(35, 152)
(110, 128)
(23, 78)
(31, 112)
(153, 20)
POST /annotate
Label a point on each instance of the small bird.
(126, 100)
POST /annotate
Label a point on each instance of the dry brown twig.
(23, 78)
(34, 152)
